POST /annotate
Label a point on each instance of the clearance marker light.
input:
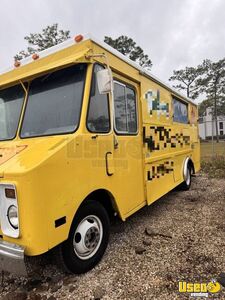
(78, 38)
(17, 64)
(35, 56)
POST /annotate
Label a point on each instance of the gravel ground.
(180, 237)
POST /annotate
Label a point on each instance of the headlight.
(9, 211)
(13, 216)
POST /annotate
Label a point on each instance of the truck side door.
(128, 155)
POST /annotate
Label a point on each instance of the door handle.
(116, 143)
(108, 171)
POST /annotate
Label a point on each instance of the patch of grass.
(207, 150)
(214, 168)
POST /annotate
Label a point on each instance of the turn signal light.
(10, 193)
(78, 38)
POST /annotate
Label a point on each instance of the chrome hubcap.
(88, 237)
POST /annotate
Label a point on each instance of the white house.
(207, 130)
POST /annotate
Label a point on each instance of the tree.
(129, 48)
(50, 36)
(203, 106)
(214, 86)
(188, 80)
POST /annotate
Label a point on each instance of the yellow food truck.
(85, 134)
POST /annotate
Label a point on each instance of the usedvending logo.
(200, 289)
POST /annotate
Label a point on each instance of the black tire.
(69, 258)
(185, 186)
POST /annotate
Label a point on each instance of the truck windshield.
(54, 103)
(11, 102)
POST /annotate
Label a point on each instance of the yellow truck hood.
(8, 152)
(19, 157)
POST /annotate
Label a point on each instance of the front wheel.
(88, 238)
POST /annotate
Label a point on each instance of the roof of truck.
(72, 58)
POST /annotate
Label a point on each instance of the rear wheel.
(187, 179)
(88, 238)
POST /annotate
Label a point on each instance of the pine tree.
(214, 87)
(129, 48)
(188, 80)
(50, 36)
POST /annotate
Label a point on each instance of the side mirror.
(104, 79)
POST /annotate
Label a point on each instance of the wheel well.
(105, 198)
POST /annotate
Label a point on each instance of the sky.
(174, 33)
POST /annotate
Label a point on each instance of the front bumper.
(12, 258)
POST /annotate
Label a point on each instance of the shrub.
(215, 168)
